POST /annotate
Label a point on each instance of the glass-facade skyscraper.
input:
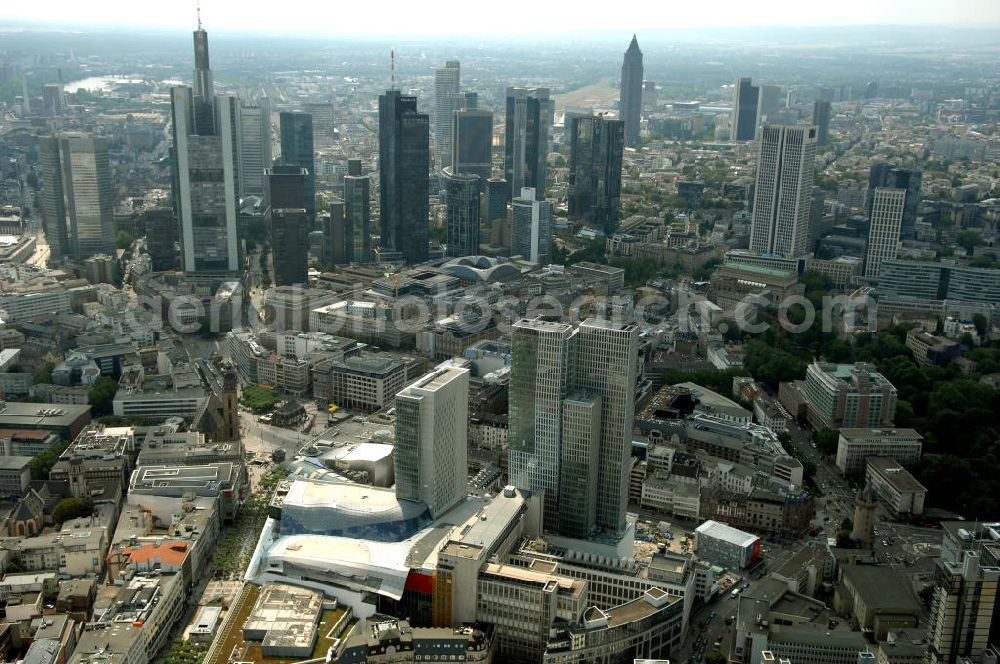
(204, 172)
(746, 110)
(630, 101)
(461, 197)
(288, 224)
(472, 144)
(526, 139)
(886, 176)
(357, 214)
(404, 163)
(297, 149)
(595, 171)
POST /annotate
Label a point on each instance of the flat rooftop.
(895, 474)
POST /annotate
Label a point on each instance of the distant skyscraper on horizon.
(821, 118)
(297, 148)
(472, 144)
(884, 226)
(447, 86)
(746, 110)
(630, 99)
(357, 213)
(526, 138)
(461, 198)
(430, 455)
(203, 161)
(254, 147)
(595, 171)
(77, 199)
(883, 175)
(288, 224)
(783, 190)
(404, 164)
(531, 227)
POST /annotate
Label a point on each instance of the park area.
(259, 399)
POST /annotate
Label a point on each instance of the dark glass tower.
(297, 149)
(357, 214)
(472, 144)
(746, 104)
(821, 118)
(631, 92)
(885, 176)
(404, 162)
(461, 195)
(526, 139)
(595, 171)
(496, 199)
(288, 224)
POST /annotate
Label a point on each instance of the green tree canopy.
(101, 396)
(71, 508)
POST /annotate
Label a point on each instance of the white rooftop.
(721, 531)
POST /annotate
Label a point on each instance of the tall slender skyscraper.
(430, 457)
(631, 92)
(782, 201)
(472, 144)
(526, 138)
(770, 98)
(77, 201)
(404, 163)
(821, 118)
(288, 224)
(205, 176)
(531, 227)
(605, 366)
(496, 200)
(595, 171)
(357, 213)
(746, 110)
(297, 149)
(447, 84)
(540, 356)
(461, 197)
(254, 146)
(886, 176)
(884, 225)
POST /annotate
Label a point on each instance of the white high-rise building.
(254, 148)
(786, 164)
(531, 227)
(205, 139)
(884, 228)
(540, 354)
(447, 81)
(432, 436)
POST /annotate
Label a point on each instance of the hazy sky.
(459, 17)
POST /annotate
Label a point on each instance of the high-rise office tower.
(461, 198)
(746, 105)
(254, 146)
(821, 118)
(324, 123)
(649, 96)
(472, 144)
(204, 170)
(404, 162)
(447, 84)
(964, 610)
(883, 175)
(496, 199)
(288, 224)
(595, 171)
(335, 233)
(357, 213)
(526, 138)
(884, 226)
(578, 466)
(770, 98)
(53, 100)
(430, 457)
(297, 149)
(604, 365)
(783, 190)
(161, 238)
(630, 101)
(77, 202)
(540, 356)
(531, 227)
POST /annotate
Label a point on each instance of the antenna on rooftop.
(198, 9)
(392, 69)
